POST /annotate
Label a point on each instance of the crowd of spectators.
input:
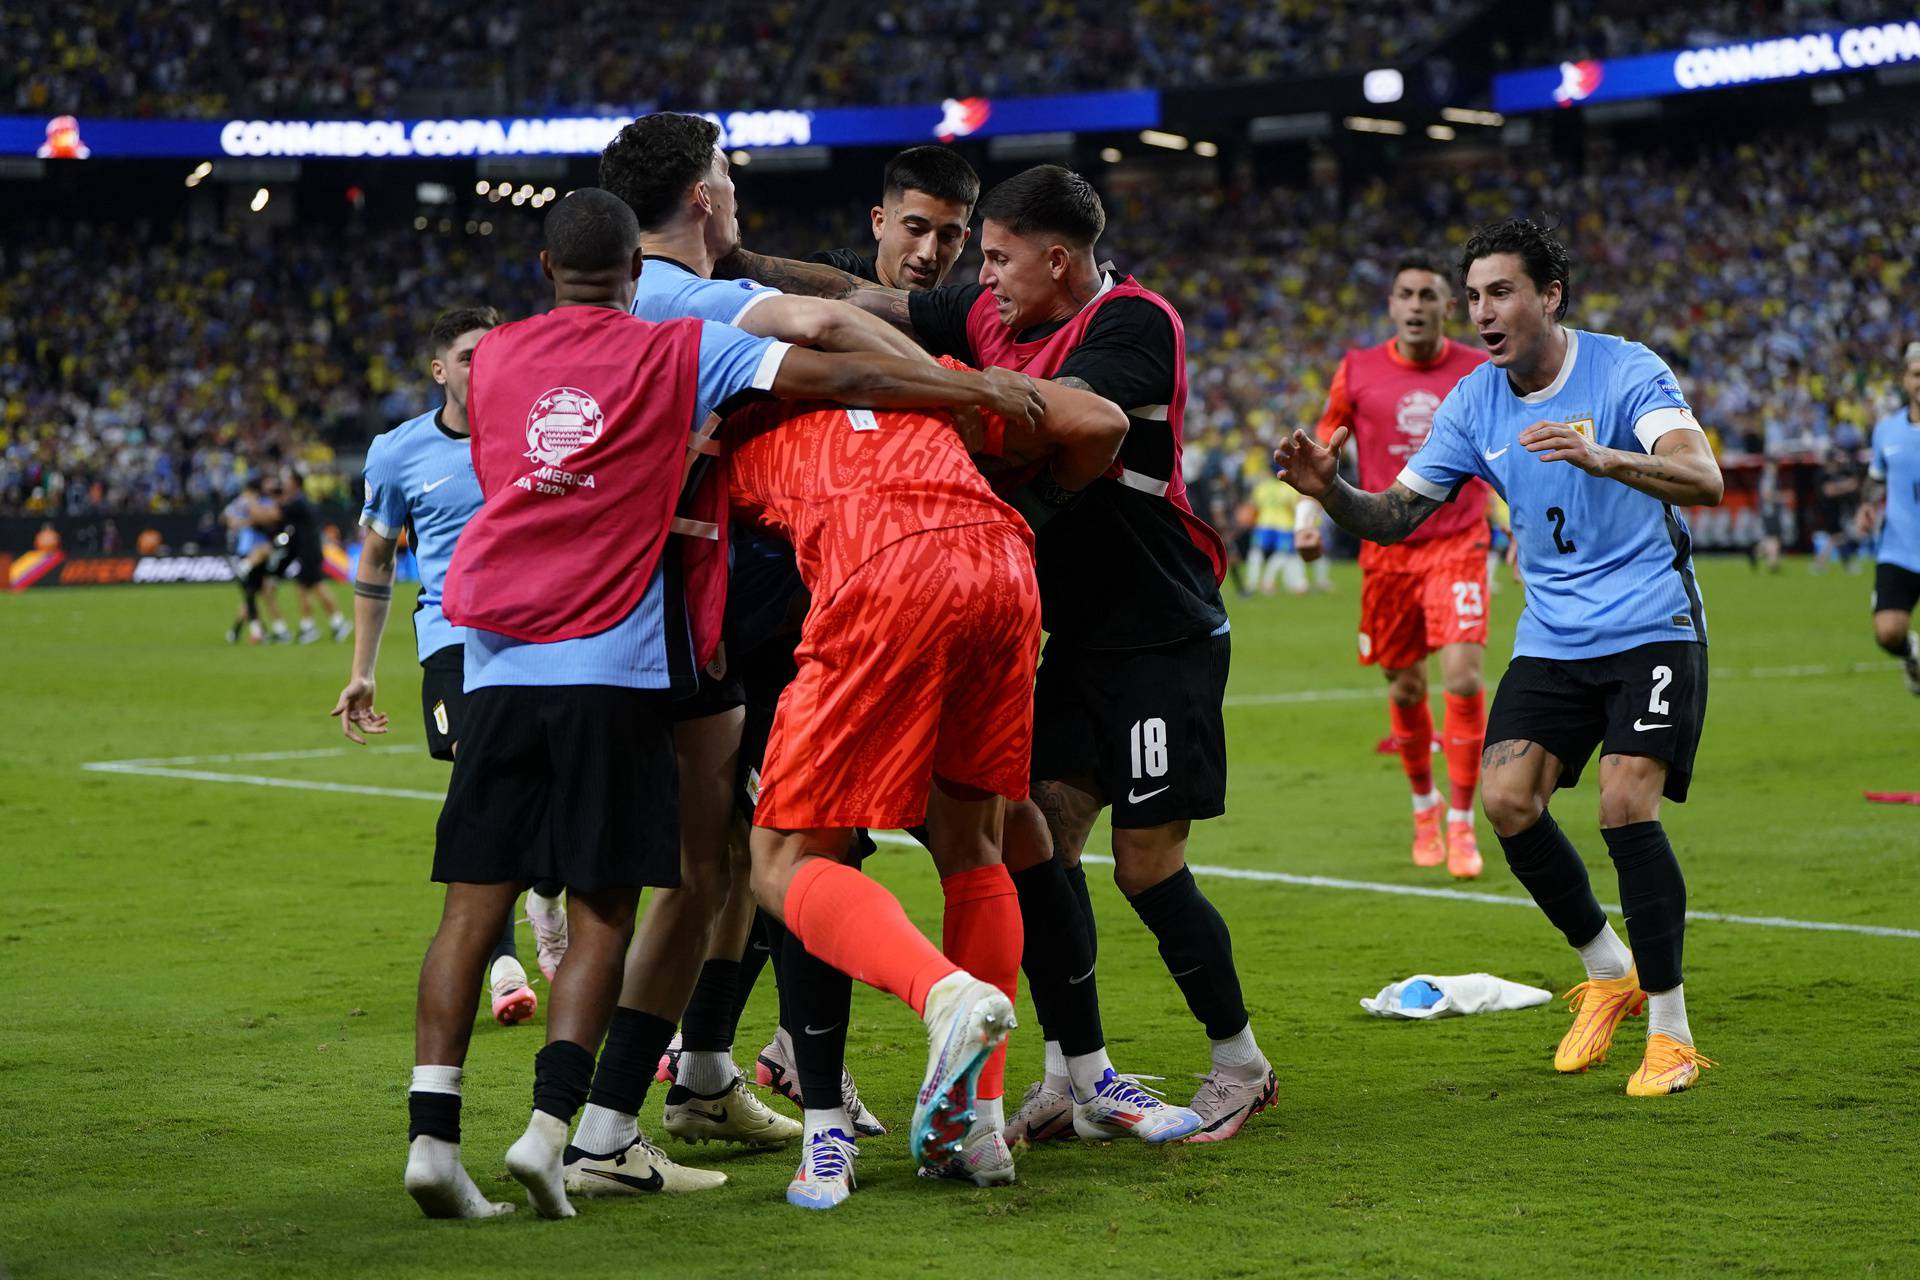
(362, 57)
(1620, 28)
(1775, 278)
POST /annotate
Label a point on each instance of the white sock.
(1431, 800)
(604, 1131)
(990, 1114)
(542, 904)
(1460, 815)
(336, 619)
(1238, 1055)
(1057, 1079)
(706, 1072)
(437, 1080)
(1085, 1071)
(1667, 1014)
(513, 968)
(819, 1121)
(1606, 956)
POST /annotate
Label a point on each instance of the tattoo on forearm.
(373, 590)
(1504, 752)
(1378, 517)
(1079, 384)
(810, 279)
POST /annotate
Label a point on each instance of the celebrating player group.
(729, 559)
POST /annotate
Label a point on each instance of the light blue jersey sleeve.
(1649, 396)
(385, 510)
(668, 291)
(732, 362)
(1452, 454)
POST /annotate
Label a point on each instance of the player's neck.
(1417, 353)
(686, 245)
(453, 419)
(1082, 286)
(1545, 367)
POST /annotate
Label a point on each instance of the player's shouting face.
(1513, 315)
(1419, 304)
(1028, 276)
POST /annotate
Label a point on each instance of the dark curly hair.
(454, 321)
(1544, 258)
(653, 161)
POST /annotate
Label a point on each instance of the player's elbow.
(1715, 486)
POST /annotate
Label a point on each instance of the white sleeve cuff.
(1422, 486)
(1652, 426)
(368, 522)
(770, 365)
(754, 298)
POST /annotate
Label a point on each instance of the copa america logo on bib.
(564, 420)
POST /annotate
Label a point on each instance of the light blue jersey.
(637, 652)
(246, 535)
(1607, 568)
(1896, 463)
(666, 290)
(420, 476)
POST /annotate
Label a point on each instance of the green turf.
(210, 986)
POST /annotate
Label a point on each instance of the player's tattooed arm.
(1680, 470)
(1314, 469)
(817, 280)
(372, 597)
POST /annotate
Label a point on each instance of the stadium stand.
(1614, 29)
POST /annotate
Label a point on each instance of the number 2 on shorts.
(1662, 677)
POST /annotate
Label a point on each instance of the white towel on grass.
(1460, 994)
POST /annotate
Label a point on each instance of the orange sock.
(855, 925)
(1413, 735)
(1466, 735)
(983, 935)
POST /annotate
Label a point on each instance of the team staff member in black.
(1128, 697)
(920, 227)
(299, 544)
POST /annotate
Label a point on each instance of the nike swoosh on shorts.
(1136, 799)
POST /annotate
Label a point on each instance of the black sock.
(1545, 862)
(820, 998)
(437, 1115)
(505, 946)
(628, 1059)
(752, 961)
(560, 1075)
(1654, 896)
(1077, 881)
(1896, 647)
(1197, 950)
(1058, 960)
(707, 1025)
(777, 959)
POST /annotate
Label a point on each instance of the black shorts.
(310, 570)
(1895, 589)
(443, 698)
(711, 696)
(1649, 701)
(1144, 724)
(575, 783)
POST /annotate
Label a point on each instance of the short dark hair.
(591, 230)
(941, 172)
(1049, 200)
(1418, 261)
(653, 161)
(454, 321)
(1544, 258)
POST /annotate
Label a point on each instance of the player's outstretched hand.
(1558, 442)
(1308, 465)
(1015, 398)
(355, 709)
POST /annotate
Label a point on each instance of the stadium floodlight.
(486, 228)
(260, 199)
(504, 190)
(481, 187)
(1441, 132)
(1207, 149)
(1373, 124)
(1171, 141)
(740, 159)
(420, 223)
(1110, 154)
(200, 172)
(1462, 115)
(549, 194)
(1383, 86)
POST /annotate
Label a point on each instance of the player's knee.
(1890, 632)
(1143, 858)
(1024, 839)
(1407, 687)
(1623, 807)
(1510, 808)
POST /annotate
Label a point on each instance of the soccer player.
(1428, 594)
(1892, 503)
(300, 542)
(1271, 552)
(1128, 698)
(251, 546)
(1590, 439)
(927, 195)
(419, 478)
(577, 618)
(915, 671)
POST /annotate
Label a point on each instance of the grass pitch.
(211, 986)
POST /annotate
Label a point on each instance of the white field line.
(168, 768)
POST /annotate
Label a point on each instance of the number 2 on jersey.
(1150, 748)
(1563, 545)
